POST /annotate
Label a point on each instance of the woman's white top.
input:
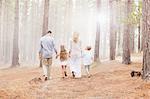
(75, 49)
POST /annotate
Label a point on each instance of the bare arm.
(54, 47)
(40, 50)
(70, 47)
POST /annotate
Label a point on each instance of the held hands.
(57, 56)
(69, 54)
(40, 56)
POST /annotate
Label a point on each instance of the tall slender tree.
(0, 27)
(132, 28)
(15, 57)
(143, 23)
(45, 17)
(139, 8)
(132, 39)
(0, 14)
(126, 35)
(24, 27)
(146, 30)
(97, 41)
(45, 21)
(112, 32)
(120, 26)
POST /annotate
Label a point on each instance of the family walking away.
(74, 58)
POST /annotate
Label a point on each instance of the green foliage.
(134, 17)
(136, 14)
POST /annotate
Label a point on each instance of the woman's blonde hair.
(75, 37)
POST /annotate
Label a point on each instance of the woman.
(75, 56)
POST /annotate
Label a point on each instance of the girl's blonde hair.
(63, 53)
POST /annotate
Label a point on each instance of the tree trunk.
(45, 17)
(97, 41)
(15, 57)
(112, 32)
(146, 48)
(45, 21)
(139, 38)
(25, 28)
(143, 24)
(0, 29)
(119, 29)
(0, 15)
(139, 33)
(126, 35)
(132, 34)
(132, 40)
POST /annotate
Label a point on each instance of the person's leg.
(44, 61)
(62, 68)
(65, 70)
(49, 67)
(44, 70)
(87, 69)
(73, 74)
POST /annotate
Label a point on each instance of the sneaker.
(73, 74)
(89, 76)
(46, 78)
(65, 74)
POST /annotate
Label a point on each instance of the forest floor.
(109, 80)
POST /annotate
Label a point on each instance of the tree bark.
(45, 17)
(132, 40)
(15, 57)
(0, 14)
(119, 29)
(126, 35)
(143, 25)
(0, 29)
(97, 41)
(25, 28)
(146, 48)
(132, 32)
(112, 32)
(139, 38)
(45, 21)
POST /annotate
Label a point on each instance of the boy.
(87, 59)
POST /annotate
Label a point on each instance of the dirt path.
(110, 80)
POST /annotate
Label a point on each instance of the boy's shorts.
(47, 61)
(87, 66)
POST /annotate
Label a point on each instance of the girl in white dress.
(63, 56)
(75, 56)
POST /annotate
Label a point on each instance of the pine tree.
(15, 57)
